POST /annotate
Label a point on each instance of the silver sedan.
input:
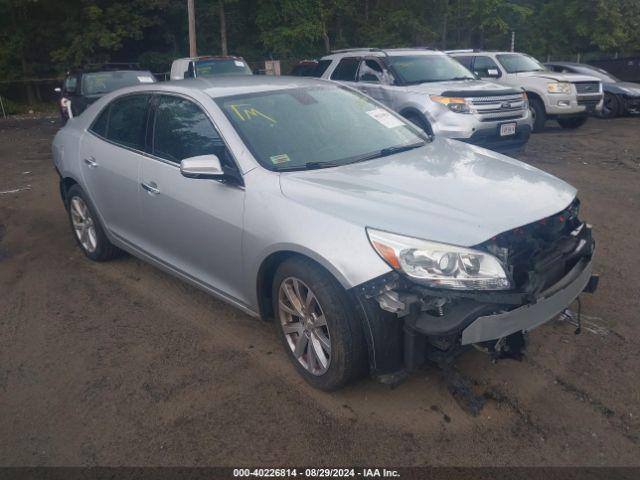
(374, 246)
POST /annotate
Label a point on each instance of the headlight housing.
(455, 104)
(559, 87)
(440, 265)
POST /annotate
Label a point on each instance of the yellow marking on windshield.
(249, 113)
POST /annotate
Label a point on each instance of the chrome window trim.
(154, 93)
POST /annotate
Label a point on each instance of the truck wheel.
(420, 122)
(611, 106)
(87, 229)
(538, 114)
(318, 325)
(572, 122)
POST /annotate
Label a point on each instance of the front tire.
(86, 227)
(611, 106)
(538, 114)
(318, 325)
(572, 122)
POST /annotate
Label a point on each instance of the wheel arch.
(531, 94)
(408, 111)
(66, 182)
(266, 273)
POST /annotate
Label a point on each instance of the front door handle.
(91, 162)
(151, 187)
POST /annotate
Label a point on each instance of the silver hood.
(474, 86)
(560, 77)
(446, 191)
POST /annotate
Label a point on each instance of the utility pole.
(193, 51)
(513, 41)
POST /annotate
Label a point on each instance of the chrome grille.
(499, 107)
(587, 87)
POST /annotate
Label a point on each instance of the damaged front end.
(548, 263)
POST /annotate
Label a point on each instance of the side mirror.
(57, 90)
(202, 166)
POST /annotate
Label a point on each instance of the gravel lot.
(121, 364)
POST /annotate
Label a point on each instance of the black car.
(620, 97)
(83, 86)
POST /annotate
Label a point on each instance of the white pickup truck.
(567, 98)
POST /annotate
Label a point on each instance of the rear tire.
(538, 114)
(86, 227)
(572, 122)
(611, 107)
(318, 325)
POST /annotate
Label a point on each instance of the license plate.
(507, 129)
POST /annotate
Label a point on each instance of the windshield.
(316, 127)
(517, 62)
(598, 73)
(104, 82)
(428, 68)
(222, 66)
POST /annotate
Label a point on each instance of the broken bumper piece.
(406, 323)
(528, 317)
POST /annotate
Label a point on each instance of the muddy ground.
(121, 364)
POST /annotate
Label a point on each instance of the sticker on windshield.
(385, 118)
(245, 112)
(276, 159)
(239, 63)
(145, 79)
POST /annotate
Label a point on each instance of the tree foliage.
(44, 37)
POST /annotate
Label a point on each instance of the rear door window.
(99, 126)
(182, 130)
(128, 121)
(346, 69)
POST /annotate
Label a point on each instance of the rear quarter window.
(346, 69)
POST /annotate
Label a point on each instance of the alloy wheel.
(304, 325)
(83, 224)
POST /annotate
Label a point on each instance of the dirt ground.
(121, 364)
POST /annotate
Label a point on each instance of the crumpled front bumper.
(549, 304)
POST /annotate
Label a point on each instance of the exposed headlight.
(440, 265)
(455, 104)
(559, 87)
(525, 99)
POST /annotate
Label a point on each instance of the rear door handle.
(151, 187)
(91, 162)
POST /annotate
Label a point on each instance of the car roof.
(212, 57)
(481, 52)
(224, 86)
(382, 52)
(106, 67)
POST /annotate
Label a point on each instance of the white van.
(208, 66)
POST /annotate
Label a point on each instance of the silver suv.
(373, 246)
(437, 94)
(567, 98)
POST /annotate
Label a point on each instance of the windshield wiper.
(462, 78)
(308, 166)
(385, 152)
